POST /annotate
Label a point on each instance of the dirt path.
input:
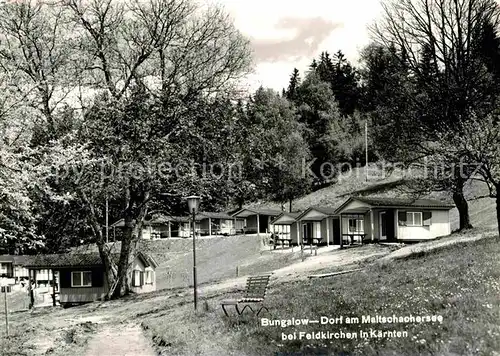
(126, 340)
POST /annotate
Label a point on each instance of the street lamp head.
(193, 203)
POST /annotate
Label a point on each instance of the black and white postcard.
(235, 177)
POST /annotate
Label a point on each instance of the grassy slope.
(461, 283)
(216, 258)
(336, 194)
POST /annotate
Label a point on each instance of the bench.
(351, 237)
(255, 293)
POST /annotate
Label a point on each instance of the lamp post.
(193, 205)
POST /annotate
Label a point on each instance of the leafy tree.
(348, 135)
(275, 151)
(318, 110)
(17, 218)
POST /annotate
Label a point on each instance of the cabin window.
(413, 218)
(81, 279)
(283, 231)
(149, 277)
(356, 225)
(137, 279)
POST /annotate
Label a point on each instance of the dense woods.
(138, 104)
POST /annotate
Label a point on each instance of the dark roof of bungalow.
(204, 214)
(400, 202)
(7, 258)
(88, 259)
(327, 210)
(164, 219)
(292, 215)
(260, 211)
(156, 220)
(14, 259)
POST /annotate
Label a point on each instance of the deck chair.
(255, 294)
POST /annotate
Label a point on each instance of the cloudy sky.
(288, 34)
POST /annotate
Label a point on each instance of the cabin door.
(387, 230)
(336, 231)
(308, 232)
(383, 225)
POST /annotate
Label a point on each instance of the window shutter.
(133, 278)
(402, 218)
(65, 278)
(97, 277)
(142, 278)
(427, 218)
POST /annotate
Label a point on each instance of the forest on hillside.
(137, 104)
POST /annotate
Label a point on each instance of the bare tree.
(36, 56)
(168, 43)
(454, 82)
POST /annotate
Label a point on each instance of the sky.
(287, 34)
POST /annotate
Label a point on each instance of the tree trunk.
(290, 205)
(109, 267)
(122, 275)
(131, 235)
(498, 212)
(104, 251)
(133, 220)
(463, 210)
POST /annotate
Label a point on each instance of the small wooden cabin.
(394, 219)
(80, 277)
(255, 220)
(12, 266)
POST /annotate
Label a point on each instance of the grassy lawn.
(175, 269)
(459, 283)
(175, 259)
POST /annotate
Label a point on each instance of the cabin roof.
(165, 219)
(254, 211)
(204, 214)
(88, 259)
(326, 210)
(292, 216)
(399, 202)
(14, 259)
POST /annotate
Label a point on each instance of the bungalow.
(82, 277)
(285, 226)
(12, 266)
(207, 223)
(255, 220)
(319, 225)
(393, 219)
(216, 223)
(158, 227)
